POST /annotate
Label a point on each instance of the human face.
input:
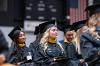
(53, 32)
(69, 35)
(21, 38)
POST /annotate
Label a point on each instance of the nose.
(56, 32)
(23, 37)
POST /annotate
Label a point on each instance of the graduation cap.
(44, 26)
(95, 8)
(79, 24)
(61, 24)
(67, 28)
(36, 30)
(14, 33)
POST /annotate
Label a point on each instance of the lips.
(69, 38)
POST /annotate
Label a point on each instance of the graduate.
(19, 54)
(49, 52)
(73, 57)
(90, 45)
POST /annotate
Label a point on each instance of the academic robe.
(20, 55)
(45, 57)
(89, 48)
(72, 56)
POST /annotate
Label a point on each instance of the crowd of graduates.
(79, 47)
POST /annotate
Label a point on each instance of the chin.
(54, 37)
(69, 39)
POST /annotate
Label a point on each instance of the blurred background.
(29, 13)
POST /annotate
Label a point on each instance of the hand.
(54, 59)
(18, 64)
(2, 58)
(95, 34)
(82, 61)
(99, 53)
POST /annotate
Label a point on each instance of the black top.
(71, 52)
(89, 46)
(19, 55)
(46, 57)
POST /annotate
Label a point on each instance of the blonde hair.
(44, 39)
(93, 20)
(76, 41)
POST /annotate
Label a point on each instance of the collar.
(52, 41)
(21, 45)
(66, 41)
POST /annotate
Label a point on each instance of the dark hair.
(16, 36)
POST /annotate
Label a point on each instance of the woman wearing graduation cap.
(82, 30)
(89, 44)
(49, 52)
(19, 54)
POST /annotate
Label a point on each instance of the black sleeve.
(12, 60)
(92, 55)
(92, 39)
(31, 48)
(41, 58)
(79, 56)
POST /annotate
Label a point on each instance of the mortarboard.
(61, 24)
(36, 30)
(44, 26)
(15, 32)
(67, 28)
(79, 24)
(95, 8)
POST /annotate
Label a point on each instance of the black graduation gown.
(20, 55)
(89, 48)
(3, 45)
(34, 47)
(72, 56)
(45, 58)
